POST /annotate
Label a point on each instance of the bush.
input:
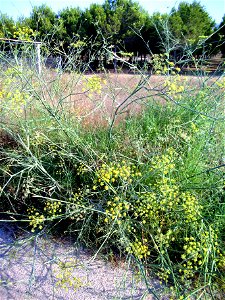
(150, 187)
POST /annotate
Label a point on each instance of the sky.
(17, 8)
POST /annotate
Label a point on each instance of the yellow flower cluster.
(13, 100)
(53, 150)
(77, 207)
(114, 173)
(11, 97)
(221, 83)
(160, 209)
(81, 169)
(192, 258)
(11, 73)
(60, 167)
(198, 250)
(147, 208)
(169, 194)
(139, 249)
(38, 139)
(162, 65)
(36, 219)
(191, 207)
(221, 261)
(165, 162)
(53, 208)
(164, 239)
(164, 274)
(93, 84)
(175, 86)
(65, 276)
(23, 33)
(117, 209)
(77, 45)
(194, 127)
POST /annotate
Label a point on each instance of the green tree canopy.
(94, 21)
(6, 26)
(190, 22)
(120, 24)
(114, 20)
(71, 21)
(43, 20)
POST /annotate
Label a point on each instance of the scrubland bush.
(149, 187)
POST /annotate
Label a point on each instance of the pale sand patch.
(30, 267)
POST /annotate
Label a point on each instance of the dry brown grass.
(119, 95)
(98, 109)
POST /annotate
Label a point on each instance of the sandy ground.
(34, 267)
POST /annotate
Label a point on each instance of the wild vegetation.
(145, 184)
(121, 27)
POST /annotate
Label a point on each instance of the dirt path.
(34, 267)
